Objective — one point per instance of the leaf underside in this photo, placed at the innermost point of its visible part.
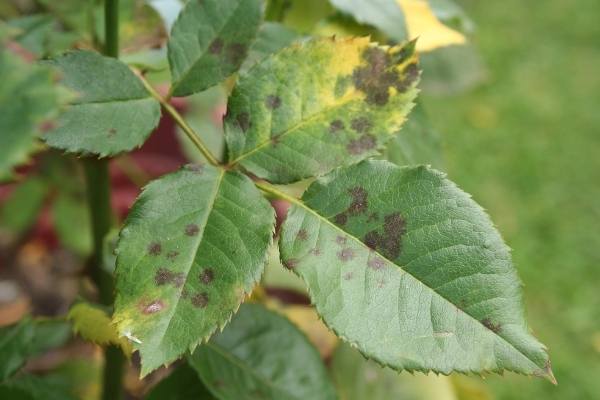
(318, 105)
(209, 41)
(194, 244)
(262, 355)
(112, 112)
(410, 270)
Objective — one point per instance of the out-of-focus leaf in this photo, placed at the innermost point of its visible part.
(416, 143)
(271, 38)
(451, 14)
(261, 355)
(140, 27)
(15, 346)
(358, 379)
(80, 376)
(421, 22)
(148, 59)
(303, 15)
(49, 333)
(470, 388)
(400, 258)
(182, 384)
(93, 324)
(72, 222)
(339, 102)
(385, 15)
(193, 245)
(34, 32)
(209, 41)
(451, 70)
(113, 111)
(31, 387)
(19, 212)
(341, 25)
(27, 99)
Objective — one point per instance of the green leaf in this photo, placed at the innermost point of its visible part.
(409, 269)
(357, 379)
(27, 99)
(417, 142)
(194, 244)
(385, 15)
(209, 42)
(262, 355)
(182, 384)
(31, 387)
(20, 211)
(113, 112)
(318, 105)
(271, 38)
(15, 346)
(71, 218)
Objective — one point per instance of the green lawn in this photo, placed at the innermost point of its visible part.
(526, 144)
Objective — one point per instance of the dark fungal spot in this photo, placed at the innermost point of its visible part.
(336, 125)
(290, 263)
(153, 307)
(389, 242)
(340, 240)
(235, 53)
(496, 328)
(165, 276)
(172, 254)
(154, 248)
(216, 46)
(361, 124)
(273, 102)
(346, 254)
(376, 263)
(362, 144)
(191, 229)
(112, 132)
(302, 234)
(200, 300)
(341, 219)
(359, 200)
(207, 276)
(243, 121)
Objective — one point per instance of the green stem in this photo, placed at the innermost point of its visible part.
(98, 190)
(187, 129)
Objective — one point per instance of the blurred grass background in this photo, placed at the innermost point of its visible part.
(526, 144)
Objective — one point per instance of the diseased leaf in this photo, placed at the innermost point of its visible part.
(27, 100)
(93, 324)
(112, 113)
(182, 384)
(409, 269)
(318, 105)
(357, 379)
(417, 142)
(261, 355)
(209, 42)
(194, 244)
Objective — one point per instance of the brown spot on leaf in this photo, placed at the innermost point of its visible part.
(336, 125)
(361, 124)
(235, 53)
(165, 276)
(216, 46)
(362, 144)
(340, 240)
(197, 168)
(207, 276)
(389, 242)
(410, 75)
(290, 263)
(243, 121)
(154, 248)
(496, 328)
(341, 219)
(172, 254)
(302, 235)
(200, 300)
(346, 254)
(112, 132)
(273, 102)
(376, 263)
(359, 201)
(153, 307)
(191, 229)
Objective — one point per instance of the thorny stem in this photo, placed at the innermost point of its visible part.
(98, 193)
(187, 129)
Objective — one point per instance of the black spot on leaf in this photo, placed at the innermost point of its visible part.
(336, 126)
(362, 144)
(340, 240)
(200, 300)
(346, 254)
(389, 242)
(341, 219)
(154, 248)
(235, 53)
(302, 235)
(496, 328)
(361, 124)
(207, 276)
(376, 263)
(273, 102)
(191, 229)
(216, 46)
(112, 132)
(359, 201)
(165, 276)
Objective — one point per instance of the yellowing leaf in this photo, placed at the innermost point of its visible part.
(93, 324)
(421, 22)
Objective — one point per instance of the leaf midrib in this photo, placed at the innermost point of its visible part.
(300, 203)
